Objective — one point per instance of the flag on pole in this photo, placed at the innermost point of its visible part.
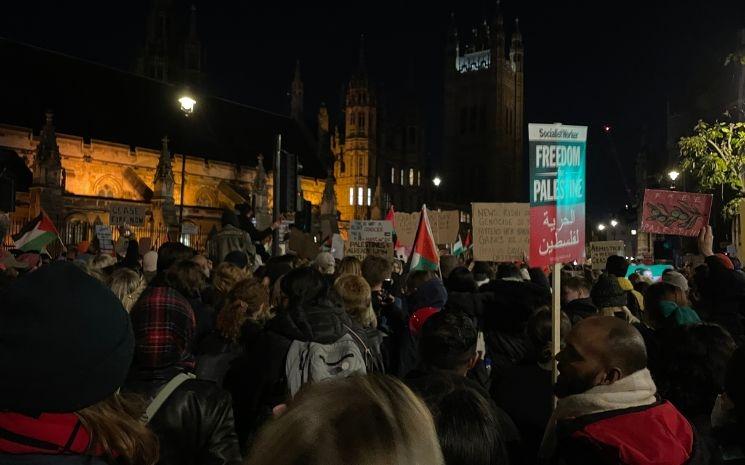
(469, 241)
(424, 254)
(458, 248)
(397, 248)
(36, 235)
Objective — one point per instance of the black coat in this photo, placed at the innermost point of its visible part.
(723, 293)
(257, 379)
(194, 425)
(579, 309)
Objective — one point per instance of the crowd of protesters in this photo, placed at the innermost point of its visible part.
(170, 356)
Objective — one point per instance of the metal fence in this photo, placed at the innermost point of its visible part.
(72, 233)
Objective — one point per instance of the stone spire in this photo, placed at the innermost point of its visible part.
(261, 195)
(48, 162)
(516, 48)
(376, 210)
(328, 200)
(164, 181)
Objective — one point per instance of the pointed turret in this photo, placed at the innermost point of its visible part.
(164, 181)
(48, 162)
(376, 210)
(296, 91)
(261, 195)
(498, 37)
(328, 200)
(516, 48)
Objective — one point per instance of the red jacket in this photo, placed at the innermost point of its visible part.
(656, 434)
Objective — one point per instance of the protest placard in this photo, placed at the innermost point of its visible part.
(601, 250)
(105, 238)
(675, 213)
(122, 213)
(445, 225)
(370, 238)
(501, 231)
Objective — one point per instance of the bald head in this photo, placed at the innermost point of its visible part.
(618, 343)
(599, 350)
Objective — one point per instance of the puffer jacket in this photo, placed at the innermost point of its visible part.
(195, 424)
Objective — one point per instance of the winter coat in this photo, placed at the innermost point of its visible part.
(579, 309)
(195, 424)
(214, 356)
(723, 293)
(257, 379)
(647, 435)
(229, 239)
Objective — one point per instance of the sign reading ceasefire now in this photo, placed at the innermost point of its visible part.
(557, 193)
(131, 215)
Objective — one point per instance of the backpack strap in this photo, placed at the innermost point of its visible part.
(369, 358)
(163, 395)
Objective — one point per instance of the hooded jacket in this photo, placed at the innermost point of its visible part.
(257, 379)
(579, 309)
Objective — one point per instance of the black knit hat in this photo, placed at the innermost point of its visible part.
(66, 342)
(607, 292)
(617, 265)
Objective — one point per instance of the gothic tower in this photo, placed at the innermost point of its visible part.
(483, 114)
(355, 165)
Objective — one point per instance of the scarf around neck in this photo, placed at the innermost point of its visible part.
(635, 390)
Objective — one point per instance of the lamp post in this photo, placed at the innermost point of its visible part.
(673, 175)
(187, 103)
(436, 181)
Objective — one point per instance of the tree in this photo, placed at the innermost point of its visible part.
(715, 156)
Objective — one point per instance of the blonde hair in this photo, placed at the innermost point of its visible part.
(102, 261)
(371, 420)
(116, 430)
(355, 295)
(248, 300)
(349, 265)
(226, 276)
(127, 285)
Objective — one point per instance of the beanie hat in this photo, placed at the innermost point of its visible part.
(325, 263)
(725, 261)
(617, 265)
(150, 261)
(676, 279)
(430, 294)
(66, 342)
(237, 258)
(607, 292)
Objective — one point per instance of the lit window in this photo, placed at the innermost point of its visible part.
(411, 177)
(393, 175)
(402, 176)
(351, 196)
(360, 196)
(369, 196)
(418, 178)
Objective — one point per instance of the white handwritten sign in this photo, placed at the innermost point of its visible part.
(501, 231)
(121, 214)
(601, 250)
(370, 238)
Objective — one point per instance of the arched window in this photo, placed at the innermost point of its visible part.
(106, 191)
(411, 177)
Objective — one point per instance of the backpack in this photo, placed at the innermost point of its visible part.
(309, 362)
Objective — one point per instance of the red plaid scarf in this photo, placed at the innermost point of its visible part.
(47, 434)
(163, 323)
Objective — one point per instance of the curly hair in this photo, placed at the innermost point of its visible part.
(225, 276)
(248, 300)
(693, 366)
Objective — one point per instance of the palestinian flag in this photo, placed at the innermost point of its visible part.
(469, 241)
(424, 254)
(458, 248)
(36, 235)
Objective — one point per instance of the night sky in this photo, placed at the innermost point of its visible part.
(593, 62)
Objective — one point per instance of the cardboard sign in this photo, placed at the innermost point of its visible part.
(675, 213)
(121, 214)
(601, 250)
(303, 244)
(105, 238)
(444, 224)
(370, 238)
(557, 193)
(501, 231)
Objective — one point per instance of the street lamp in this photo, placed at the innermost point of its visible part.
(601, 227)
(633, 232)
(613, 223)
(187, 103)
(437, 181)
(673, 175)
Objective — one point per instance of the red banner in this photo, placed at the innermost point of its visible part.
(557, 238)
(675, 213)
